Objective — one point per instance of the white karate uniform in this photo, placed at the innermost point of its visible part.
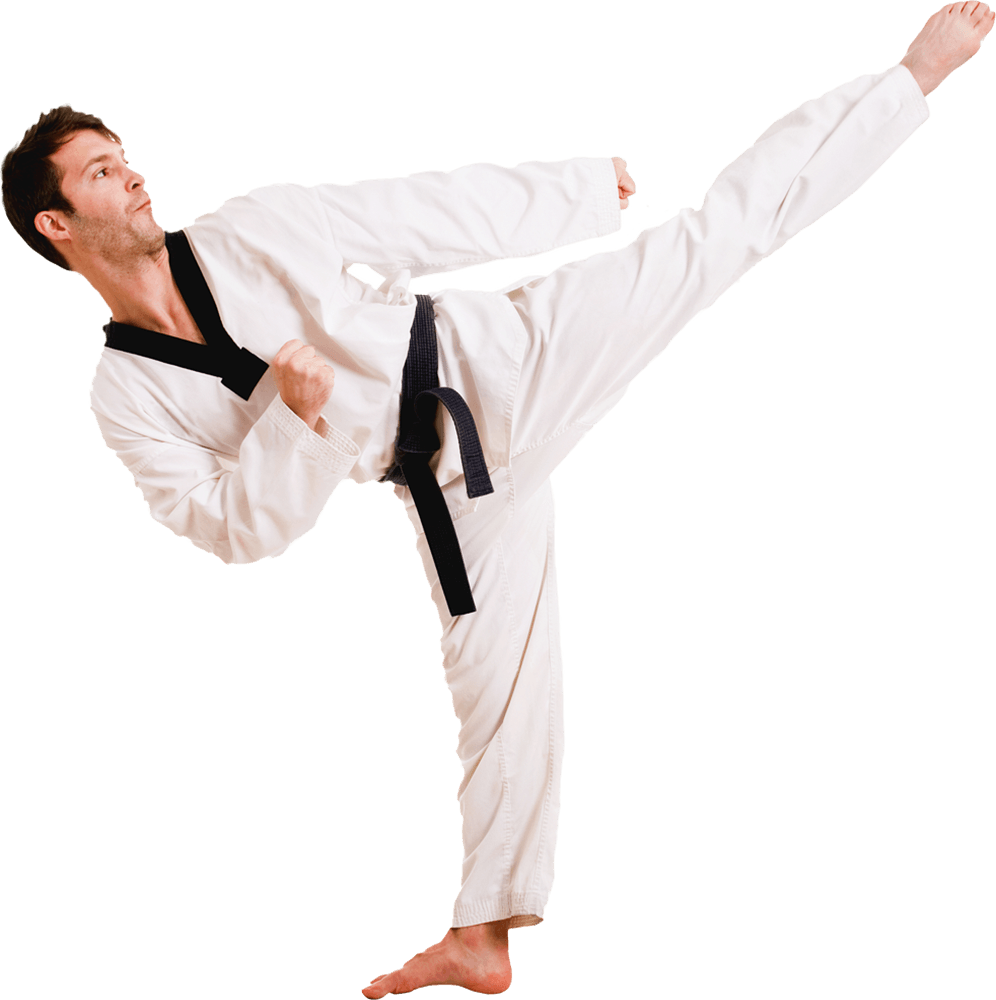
(538, 364)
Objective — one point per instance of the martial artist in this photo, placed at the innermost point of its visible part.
(247, 372)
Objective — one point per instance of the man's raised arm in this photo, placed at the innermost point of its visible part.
(433, 222)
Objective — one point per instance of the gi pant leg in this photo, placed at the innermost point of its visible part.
(594, 324)
(502, 666)
(590, 327)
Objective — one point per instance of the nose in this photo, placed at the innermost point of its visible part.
(135, 181)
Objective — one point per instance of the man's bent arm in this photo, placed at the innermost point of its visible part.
(285, 474)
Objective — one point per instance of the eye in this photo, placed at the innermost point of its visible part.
(103, 170)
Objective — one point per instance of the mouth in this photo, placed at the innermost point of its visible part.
(145, 204)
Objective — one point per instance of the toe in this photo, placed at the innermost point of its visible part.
(378, 987)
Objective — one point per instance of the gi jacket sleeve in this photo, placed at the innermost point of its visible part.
(435, 222)
(285, 472)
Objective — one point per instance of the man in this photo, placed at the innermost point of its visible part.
(243, 467)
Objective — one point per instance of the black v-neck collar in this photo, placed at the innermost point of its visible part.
(239, 370)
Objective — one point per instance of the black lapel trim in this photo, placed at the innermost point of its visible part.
(239, 370)
(160, 347)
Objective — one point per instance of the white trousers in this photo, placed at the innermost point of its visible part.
(591, 326)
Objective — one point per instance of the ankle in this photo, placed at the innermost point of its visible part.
(926, 77)
(489, 935)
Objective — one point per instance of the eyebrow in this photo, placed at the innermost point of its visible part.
(104, 157)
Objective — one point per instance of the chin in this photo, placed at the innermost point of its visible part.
(156, 242)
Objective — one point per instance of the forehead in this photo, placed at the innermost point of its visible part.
(83, 147)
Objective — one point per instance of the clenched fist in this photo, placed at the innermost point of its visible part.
(303, 380)
(624, 182)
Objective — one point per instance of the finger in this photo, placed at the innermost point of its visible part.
(287, 351)
(304, 359)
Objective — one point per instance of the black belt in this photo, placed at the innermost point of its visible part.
(418, 442)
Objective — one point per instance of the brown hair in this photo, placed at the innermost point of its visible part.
(31, 181)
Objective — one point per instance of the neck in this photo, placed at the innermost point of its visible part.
(143, 294)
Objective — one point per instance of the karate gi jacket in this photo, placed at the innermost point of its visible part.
(243, 478)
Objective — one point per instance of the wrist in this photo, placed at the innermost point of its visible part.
(308, 418)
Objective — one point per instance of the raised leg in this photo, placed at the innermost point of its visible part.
(593, 325)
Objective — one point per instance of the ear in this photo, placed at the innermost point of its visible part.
(52, 224)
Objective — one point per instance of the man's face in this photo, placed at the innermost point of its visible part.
(113, 218)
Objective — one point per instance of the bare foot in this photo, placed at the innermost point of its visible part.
(951, 37)
(473, 957)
